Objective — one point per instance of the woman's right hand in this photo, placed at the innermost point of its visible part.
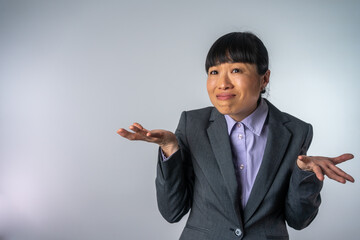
(165, 139)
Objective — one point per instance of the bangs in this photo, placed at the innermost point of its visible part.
(238, 47)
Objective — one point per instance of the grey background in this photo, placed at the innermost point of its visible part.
(73, 72)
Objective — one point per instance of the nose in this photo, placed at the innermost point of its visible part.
(225, 82)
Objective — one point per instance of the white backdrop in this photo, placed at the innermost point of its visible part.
(73, 72)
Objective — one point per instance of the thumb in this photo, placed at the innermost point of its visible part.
(303, 158)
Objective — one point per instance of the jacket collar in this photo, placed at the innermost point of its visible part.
(278, 138)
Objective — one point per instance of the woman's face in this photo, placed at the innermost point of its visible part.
(234, 88)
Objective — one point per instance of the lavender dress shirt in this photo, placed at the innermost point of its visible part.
(248, 140)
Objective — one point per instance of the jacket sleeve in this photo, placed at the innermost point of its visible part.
(303, 197)
(175, 179)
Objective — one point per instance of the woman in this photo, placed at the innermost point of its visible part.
(240, 166)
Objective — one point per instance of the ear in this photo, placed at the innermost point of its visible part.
(265, 79)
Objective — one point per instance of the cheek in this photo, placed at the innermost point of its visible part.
(210, 90)
(250, 87)
(209, 87)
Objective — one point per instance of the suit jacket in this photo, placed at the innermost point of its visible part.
(200, 177)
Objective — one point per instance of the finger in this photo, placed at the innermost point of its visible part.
(312, 158)
(341, 173)
(318, 172)
(138, 129)
(342, 158)
(138, 125)
(307, 159)
(122, 132)
(302, 157)
(332, 175)
(156, 134)
(129, 135)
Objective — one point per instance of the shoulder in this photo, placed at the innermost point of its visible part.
(197, 118)
(286, 118)
(199, 115)
(278, 119)
(294, 120)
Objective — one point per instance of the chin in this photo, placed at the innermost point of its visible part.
(223, 110)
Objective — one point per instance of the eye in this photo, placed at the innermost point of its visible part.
(213, 72)
(236, 70)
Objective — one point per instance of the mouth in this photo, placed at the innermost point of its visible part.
(225, 96)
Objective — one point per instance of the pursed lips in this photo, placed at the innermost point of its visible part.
(225, 96)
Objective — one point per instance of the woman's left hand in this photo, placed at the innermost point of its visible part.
(326, 166)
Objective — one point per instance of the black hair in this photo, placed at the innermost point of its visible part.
(242, 47)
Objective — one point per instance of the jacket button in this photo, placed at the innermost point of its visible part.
(237, 232)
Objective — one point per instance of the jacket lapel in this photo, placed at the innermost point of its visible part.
(276, 145)
(220, 143)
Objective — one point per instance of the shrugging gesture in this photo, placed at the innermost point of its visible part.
(165, 139)
(326, 166)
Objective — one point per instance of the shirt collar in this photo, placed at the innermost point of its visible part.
(254, 122)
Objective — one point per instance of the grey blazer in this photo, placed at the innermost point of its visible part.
(200, 177)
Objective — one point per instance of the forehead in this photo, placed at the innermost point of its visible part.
(243, 65)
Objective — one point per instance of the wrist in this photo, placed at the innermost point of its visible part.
(169, 149)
